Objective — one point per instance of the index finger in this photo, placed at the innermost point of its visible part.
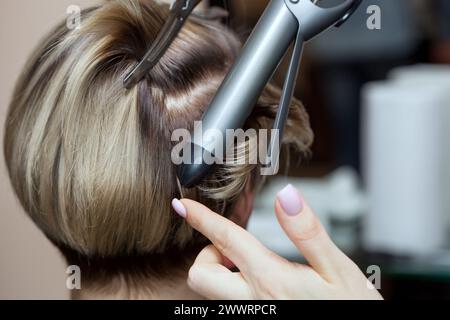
(232, 241)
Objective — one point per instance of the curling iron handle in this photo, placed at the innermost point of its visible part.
(253, 69)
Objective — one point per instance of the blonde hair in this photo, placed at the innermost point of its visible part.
(90, 160)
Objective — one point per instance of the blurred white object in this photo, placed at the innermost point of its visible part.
(436, 75)
(405, 156)
(336, 196)
(422, 74)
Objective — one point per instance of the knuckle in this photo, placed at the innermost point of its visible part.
(194, 276)
(194, 220)
(311, 228)
(267, 285)
(224, 239)
(267, 279)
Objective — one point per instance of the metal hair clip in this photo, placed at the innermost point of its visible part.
(180, 11)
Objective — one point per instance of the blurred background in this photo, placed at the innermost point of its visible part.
(377, 91)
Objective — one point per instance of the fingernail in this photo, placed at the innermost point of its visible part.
(179, 208)
(290, 200)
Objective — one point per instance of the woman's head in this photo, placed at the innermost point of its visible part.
(91, 161)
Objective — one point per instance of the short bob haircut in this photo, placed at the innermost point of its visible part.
(90, 160)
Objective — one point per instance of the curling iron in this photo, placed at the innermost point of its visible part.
(283, 22)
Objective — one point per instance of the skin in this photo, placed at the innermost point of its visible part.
(263, 274)
(173, 288)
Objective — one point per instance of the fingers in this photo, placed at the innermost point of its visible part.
(307, 233)
(209, 278)
(247, 253)
(210, 255)
(215, 283)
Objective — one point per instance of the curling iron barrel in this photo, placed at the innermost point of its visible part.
(282, 22)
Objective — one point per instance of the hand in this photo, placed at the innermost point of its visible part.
(263, 274)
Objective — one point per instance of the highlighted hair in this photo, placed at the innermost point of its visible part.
(90, 160)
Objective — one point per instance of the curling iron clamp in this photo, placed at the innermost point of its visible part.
(283, 22)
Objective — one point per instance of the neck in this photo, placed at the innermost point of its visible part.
(175, 288)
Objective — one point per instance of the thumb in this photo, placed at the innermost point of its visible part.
(304, 229)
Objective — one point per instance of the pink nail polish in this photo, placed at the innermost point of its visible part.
(179, 208)
(290, 200)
